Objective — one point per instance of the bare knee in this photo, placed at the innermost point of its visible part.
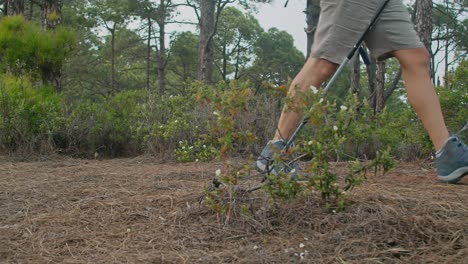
(413, 59)
(314, 72)
(322, 68)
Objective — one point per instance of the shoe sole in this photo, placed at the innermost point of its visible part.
(455, 176)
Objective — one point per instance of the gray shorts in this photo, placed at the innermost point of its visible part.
(342, 22)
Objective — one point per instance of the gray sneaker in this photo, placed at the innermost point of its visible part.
(452, 160)
(266, 161)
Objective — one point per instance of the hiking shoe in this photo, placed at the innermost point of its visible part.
(452, 160)
(266, 161)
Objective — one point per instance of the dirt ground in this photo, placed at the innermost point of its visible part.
(140, 211)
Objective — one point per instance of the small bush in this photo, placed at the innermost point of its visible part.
(28, 116)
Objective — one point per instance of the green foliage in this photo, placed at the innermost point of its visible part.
(110, 13)
(169, 119)
(27, 49)
(199, 151)
(454, 99)
(129, 56)
(450, 25)
(225, 201)
(229, 102)
(136, 121)
(277, 60)
(332, 127)
(397, 129)
(28, 116)
(110, 126)
(234, 42)
(184, 57)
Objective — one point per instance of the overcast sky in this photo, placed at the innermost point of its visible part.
(290, 19)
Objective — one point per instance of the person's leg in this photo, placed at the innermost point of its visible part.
(452, 153)
(421, 94)
(314, 72)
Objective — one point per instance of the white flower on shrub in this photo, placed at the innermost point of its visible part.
(218, 172)
(310, 143)
(335, 128)
(343, 108)
(215, 113)
(321, 100)
(314, 89)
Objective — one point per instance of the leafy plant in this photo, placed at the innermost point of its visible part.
(28, 116)
(199, 151)
(228, 103)
(332, 126)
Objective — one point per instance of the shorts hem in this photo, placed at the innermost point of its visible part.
(384, 54)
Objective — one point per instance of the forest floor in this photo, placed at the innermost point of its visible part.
(140, 211)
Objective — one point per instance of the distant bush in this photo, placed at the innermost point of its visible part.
(454, 99)
(28, 116)
(228, 118)
(110, 126)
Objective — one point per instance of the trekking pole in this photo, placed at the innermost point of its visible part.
(341, 67)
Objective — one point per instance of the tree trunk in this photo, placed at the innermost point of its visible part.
(14, 7)
(224, 61)
(389, 91)
(371, 77)
(424, 26)
(162, 59)
(30, 11)
(312, 16)
(112, 84)
(380, 87)
(51, 13)
(207, 28)
(161, 55)
(236, 74)
(446, 55)
(148, 55)
(356, 75)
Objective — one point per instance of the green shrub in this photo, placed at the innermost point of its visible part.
(28, 116)
(169, 119)
(199, 151)
(27, 49)
(454, 99)
(110, 126)
(231, 106)
(332, 126)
